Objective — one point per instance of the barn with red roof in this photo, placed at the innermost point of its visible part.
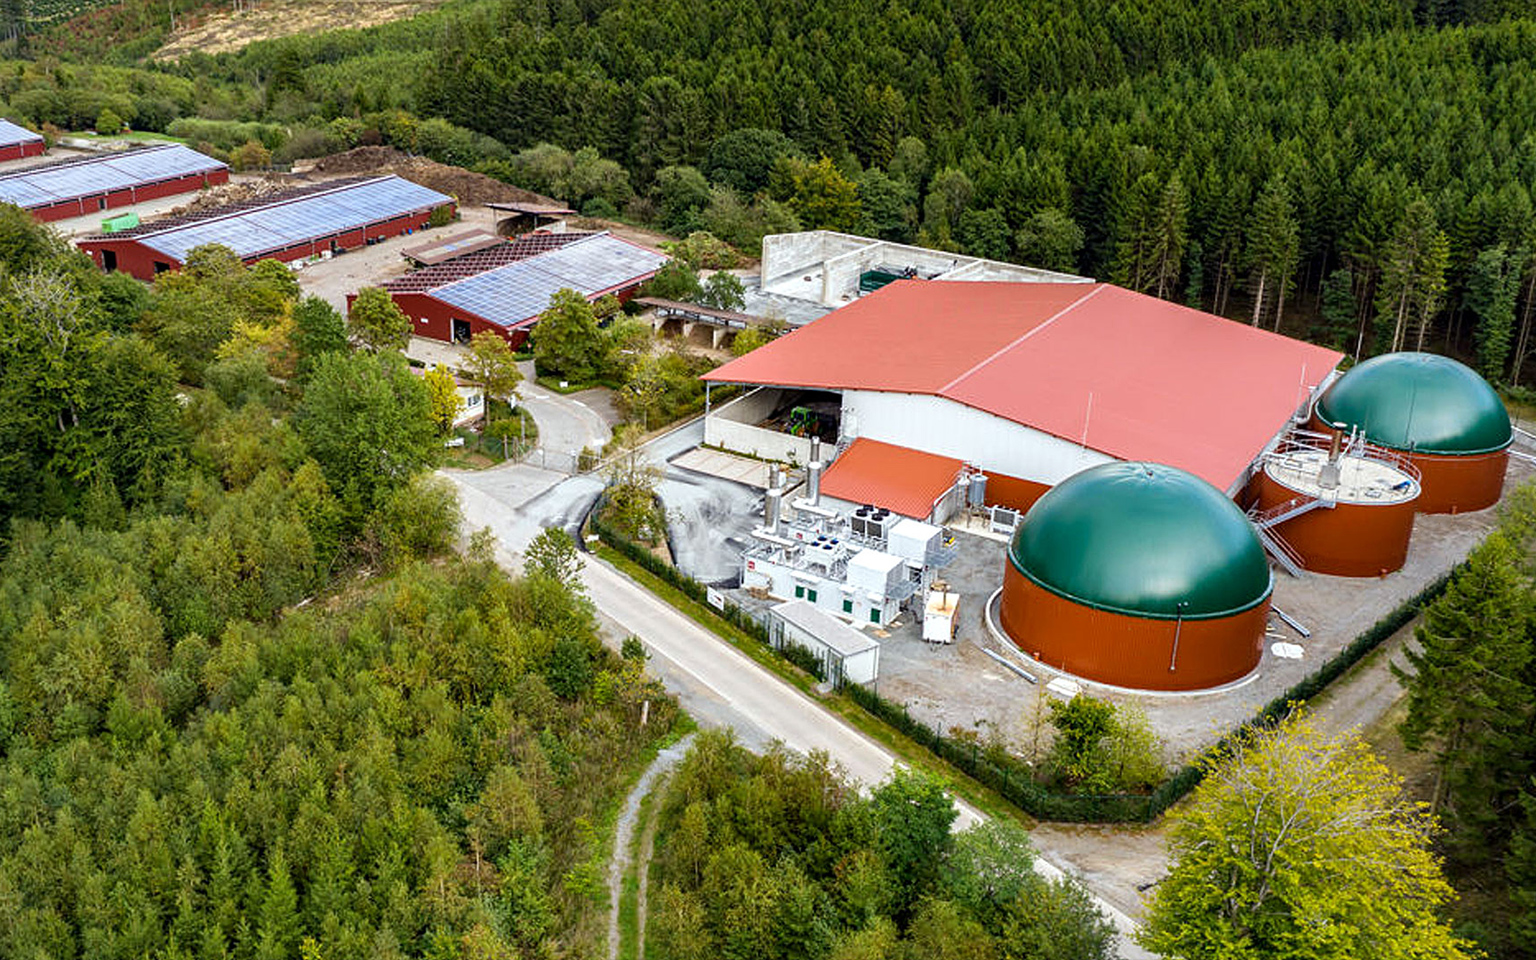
(1025, 383)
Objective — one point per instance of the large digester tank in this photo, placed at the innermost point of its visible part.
(1440, 414)
(1138, 575)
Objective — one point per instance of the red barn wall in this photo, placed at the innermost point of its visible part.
(84, 206)
(15, 151)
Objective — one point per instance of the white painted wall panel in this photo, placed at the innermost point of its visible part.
(952, 429)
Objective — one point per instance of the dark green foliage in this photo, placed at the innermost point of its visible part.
(1492, 286)
(391, 770)
(779, 858)
(675, 281)
(567, 342)
(367, 421)
(317, 329)
(743, 158)
(723, 291)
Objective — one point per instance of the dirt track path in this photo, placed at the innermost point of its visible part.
(624, 834)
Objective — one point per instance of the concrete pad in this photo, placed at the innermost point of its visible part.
(434, 352)
(726, 466)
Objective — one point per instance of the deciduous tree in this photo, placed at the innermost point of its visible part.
(1300, 844)
(376, 323)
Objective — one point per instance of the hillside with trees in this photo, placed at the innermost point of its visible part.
(250, 704)
(1356, 172)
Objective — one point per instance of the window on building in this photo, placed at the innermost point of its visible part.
(799, 592)
(874, 614)
(847, 606)
(810, 595)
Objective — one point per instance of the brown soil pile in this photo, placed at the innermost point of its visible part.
(467, 186)
(234, 192)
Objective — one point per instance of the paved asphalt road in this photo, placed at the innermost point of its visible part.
(714, 681)
(566, 425)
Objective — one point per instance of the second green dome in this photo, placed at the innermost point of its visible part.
(1418, 402)
(1143, 539)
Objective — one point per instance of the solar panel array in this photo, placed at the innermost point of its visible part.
(520, 291)
(479, 261)
(92, 176)
(286, 223)
(11, 134)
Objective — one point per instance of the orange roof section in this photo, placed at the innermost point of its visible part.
(902, 480)
(1121, 372)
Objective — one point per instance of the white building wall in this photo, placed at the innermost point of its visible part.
(733, 426)
(780, 581)
(942, 426)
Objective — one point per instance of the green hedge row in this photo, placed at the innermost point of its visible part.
(1013, 779)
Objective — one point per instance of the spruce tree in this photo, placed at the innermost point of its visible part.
(1470, 696)
(1272, 250)
(1491, 288)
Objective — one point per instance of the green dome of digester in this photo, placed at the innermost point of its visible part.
(1418, 401)
(1143, 539)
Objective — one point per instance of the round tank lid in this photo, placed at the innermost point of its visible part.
(1143, 539)
(1418, 402)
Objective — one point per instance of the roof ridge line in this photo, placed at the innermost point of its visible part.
(1095, 288)
(279, 202)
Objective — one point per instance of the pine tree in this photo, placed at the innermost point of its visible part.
(1153, 236)
(1469, 696)
(1491, 288)
(1272, 250)
(1412, 279)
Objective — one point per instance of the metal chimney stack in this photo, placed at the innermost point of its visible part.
(1328, 476)
(813, 477)
(771, 510)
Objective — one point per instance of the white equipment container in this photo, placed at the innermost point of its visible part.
(940, 616)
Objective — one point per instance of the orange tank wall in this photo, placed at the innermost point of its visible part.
(1013, 492)
(1459, 484)
(1454, 483)
(1128, 651)
(1349, 540)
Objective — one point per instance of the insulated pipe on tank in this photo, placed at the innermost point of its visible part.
(771, 502)
(1178, 628)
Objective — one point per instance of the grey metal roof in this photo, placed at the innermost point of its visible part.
(92, 176)
(13, 133)
(313, 216)
(520, 291)
(837, 635)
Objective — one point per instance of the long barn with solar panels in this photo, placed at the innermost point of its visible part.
(85, 185)
(318, 220)
(17, 141)
(504, 288)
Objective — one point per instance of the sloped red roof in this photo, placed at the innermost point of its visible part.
(1124, 373)
(902, 480)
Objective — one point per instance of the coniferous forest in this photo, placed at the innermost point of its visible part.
(1355, 172)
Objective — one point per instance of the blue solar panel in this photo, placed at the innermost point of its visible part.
(289, 222)
(11, 133)
(521, 290)
(38, 186)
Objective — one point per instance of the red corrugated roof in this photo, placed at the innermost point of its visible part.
(1167, 383)
(903, 480)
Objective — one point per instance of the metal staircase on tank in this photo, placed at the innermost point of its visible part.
(1283, 553)
(1264, 524)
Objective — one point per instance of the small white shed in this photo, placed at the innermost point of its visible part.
(845, 653)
